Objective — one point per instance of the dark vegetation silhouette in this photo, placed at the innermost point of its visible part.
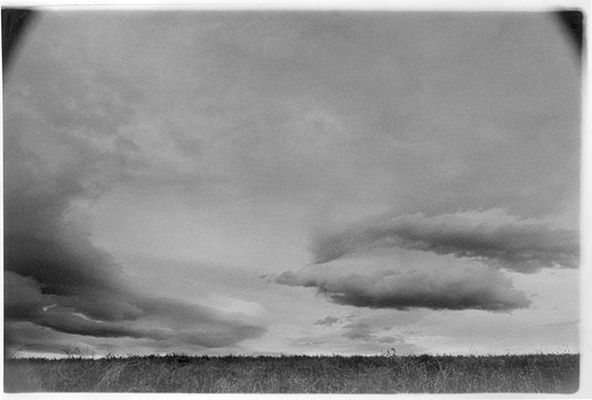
(533, 373)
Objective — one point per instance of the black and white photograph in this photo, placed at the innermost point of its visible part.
(292, 199)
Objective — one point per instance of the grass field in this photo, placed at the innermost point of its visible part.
(543, 373)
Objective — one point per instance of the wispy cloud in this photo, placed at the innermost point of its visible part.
(327, 321)
(359, 331)
(493, 237)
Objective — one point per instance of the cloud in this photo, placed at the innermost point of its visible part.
(447, 261)
(70, 287)
(55, 278)
(78, 120)
(327, 321)
(109, 312)
(360, 337)
(363, 330)
(411, 280)
(492, 237)
(166, 322)
(359, 331)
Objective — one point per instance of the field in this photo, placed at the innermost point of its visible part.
(543, 373)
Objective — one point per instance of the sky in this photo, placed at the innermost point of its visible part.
(291, 183)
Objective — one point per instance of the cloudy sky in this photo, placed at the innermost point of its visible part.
(292, 182)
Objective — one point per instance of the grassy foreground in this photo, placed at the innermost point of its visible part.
(551, 373)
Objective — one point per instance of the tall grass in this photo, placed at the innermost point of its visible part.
(543, 373)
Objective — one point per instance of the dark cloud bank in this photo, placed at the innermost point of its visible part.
(348, 271)
(57, 284)
(55, 277)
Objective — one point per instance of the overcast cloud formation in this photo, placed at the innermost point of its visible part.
(182, 153)
(63, 154)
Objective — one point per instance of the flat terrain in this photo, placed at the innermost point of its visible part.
(543, 373)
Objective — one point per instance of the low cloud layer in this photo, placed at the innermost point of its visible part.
(386, 282)
(108, 313)
(492, 237)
